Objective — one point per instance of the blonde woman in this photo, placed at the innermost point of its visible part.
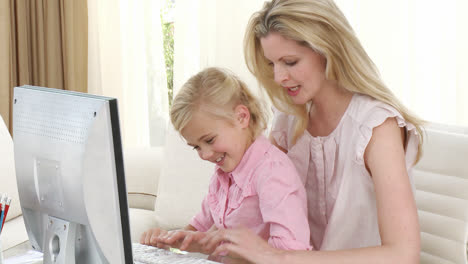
(349, 137)
(254, 184)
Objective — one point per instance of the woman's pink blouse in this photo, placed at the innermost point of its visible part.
(340, 192)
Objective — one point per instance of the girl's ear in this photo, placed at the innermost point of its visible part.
(242, 115)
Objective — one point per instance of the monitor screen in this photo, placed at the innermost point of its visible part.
(70, 174)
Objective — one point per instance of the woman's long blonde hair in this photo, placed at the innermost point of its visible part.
(217, 92)
(320, 25)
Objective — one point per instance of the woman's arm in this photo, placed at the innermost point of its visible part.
(397, 214)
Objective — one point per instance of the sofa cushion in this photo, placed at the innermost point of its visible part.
(7, 169)
(183, 183)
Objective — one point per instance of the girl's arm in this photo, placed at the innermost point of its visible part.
(396, 209)
(283, 204)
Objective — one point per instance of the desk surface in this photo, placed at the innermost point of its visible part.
(22, 253)
(17, 250)
(24, 247)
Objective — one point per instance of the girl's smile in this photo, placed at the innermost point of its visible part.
(217, 140)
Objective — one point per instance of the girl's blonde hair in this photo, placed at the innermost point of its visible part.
(217, 92)
(321, 26)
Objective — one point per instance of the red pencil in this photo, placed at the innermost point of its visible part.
(5, 215)
(7, 206)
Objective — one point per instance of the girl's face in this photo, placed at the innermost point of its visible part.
(297, 68)
(217, 140)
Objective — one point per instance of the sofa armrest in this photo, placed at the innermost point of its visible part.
(142, 171)
(141, 220)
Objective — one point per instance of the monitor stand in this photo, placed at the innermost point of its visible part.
(59, 246)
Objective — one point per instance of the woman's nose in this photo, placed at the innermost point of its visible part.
(281, 74)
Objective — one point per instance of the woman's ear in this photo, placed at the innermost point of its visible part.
(242, 115)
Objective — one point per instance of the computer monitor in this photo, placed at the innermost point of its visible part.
(70, 174)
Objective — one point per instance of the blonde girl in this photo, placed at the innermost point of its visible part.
(254, 184)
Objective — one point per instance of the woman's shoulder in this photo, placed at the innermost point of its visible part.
(366, 111)
(282, 127)
(282, 119)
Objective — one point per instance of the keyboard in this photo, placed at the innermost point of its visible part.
(143, 254)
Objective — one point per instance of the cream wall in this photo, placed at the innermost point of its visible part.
(419, 47)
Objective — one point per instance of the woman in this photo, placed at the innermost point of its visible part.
(349, 137)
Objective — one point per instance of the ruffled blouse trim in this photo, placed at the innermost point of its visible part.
(280, 122)
(379, 114)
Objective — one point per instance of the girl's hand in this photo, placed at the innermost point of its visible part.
(184, 240)
(241, 244)
(151, 238)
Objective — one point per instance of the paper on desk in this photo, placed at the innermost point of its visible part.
(30, 257)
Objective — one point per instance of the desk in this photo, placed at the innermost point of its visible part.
(24, 247)
(17, 250)
(19, 254)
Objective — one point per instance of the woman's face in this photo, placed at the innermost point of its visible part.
(297, 68)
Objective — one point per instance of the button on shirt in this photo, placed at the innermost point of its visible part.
(263, 193)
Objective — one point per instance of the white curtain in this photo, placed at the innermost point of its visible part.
(419, 47)
(125, 59)
(210, 33)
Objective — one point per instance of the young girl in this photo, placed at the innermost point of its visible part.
(254, 184)
(344, 130)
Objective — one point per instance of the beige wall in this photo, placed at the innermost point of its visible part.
(420, 48)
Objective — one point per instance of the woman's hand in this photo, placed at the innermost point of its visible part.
(240, 244)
